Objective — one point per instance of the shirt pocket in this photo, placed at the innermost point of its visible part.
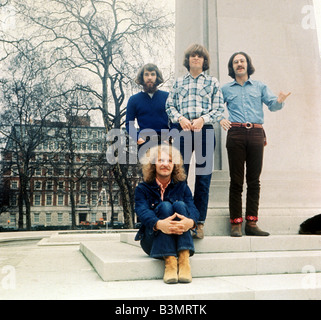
(206, 92)
(255, 97)
(231, 98)
(182, 93)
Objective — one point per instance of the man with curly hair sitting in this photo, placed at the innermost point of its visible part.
(165, 207)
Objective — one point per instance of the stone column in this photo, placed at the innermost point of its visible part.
(286, 57)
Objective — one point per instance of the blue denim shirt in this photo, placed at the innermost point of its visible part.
(245, 103)
(148, 197)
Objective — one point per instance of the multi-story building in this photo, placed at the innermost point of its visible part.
(70, 159)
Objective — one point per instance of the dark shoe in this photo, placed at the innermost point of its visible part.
(199, 232)
(236, 230)
(251, 229)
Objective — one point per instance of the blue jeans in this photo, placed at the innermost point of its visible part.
(203, 143)
(158, 244)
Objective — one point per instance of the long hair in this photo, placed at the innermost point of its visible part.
(151, 157)
(199, 50)
(250, 67)
(149, 67)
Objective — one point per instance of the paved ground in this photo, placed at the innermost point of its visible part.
(60, 271)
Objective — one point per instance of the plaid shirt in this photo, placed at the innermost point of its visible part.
(195, 98)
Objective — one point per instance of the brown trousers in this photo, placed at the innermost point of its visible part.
(245, 148)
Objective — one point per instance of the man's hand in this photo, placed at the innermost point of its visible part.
(171, 226)
(185, 124)
(225, 124)
(283, 96)
(198, 124)
(140, 141)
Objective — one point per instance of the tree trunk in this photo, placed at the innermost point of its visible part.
(20, 207)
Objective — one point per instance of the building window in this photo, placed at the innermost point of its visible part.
(37, 185)
(37, 200)
(94, 185)
(49, 200)
(83, 199)
(83, 133)
(94, 198)
(60, 185)
(49, 185)
(94, 172)
(104, 199)
(36, 217)
(83, 186)
(60, 217)
(60, 200)
(48, 217)
(14, 185)
(12, 218)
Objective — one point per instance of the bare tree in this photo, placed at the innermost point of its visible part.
(26, 108)
(105, 40)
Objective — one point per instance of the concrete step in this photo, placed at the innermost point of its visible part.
(253, 256)
(305, 286)
(246, 244)
(276, 220)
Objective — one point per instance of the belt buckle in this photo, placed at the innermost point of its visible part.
(249, 125)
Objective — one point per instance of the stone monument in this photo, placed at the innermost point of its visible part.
(285, 52)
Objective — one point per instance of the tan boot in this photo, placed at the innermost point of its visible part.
(170, 274)
(184, 268)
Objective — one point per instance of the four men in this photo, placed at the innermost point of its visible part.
(163, 202)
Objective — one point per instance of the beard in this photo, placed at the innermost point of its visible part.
(150, 87)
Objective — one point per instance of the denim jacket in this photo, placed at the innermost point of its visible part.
(148, 197)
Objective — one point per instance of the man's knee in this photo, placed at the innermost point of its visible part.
(164, 210)
(180, 207)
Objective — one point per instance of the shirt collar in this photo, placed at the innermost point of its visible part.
(161, 185)
(188, 75)
(249, 80)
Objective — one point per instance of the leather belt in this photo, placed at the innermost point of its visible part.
(246, 125)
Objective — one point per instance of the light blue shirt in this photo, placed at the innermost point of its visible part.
(245, 103)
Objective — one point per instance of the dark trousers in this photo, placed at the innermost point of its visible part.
(203, 144)
(245, 148)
